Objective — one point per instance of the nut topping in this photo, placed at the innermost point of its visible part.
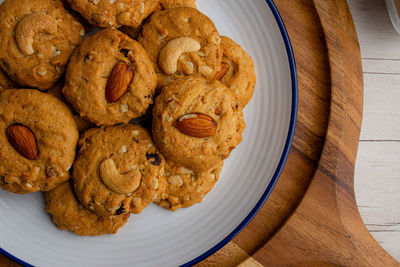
(29, 26)
(170, 53)
(118, 82)
(22, 139)
(120, 183)
(222, 71)
(196, 125)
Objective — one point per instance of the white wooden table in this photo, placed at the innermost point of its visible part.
(377, 175)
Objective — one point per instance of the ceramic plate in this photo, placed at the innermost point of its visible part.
(158, 237)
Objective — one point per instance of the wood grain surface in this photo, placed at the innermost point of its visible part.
(311, 218)
(377, 171)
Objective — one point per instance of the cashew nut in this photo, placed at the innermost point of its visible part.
(175, 180)
(120, 183)
(170, 53)
(29, 26)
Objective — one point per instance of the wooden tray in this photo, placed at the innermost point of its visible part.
(311, 218)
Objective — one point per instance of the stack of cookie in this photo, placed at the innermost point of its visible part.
(156, 66)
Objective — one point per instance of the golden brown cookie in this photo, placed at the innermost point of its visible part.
(37, 38)
(38, 137)
(181, 42)
(88, 27)
(68, 214)
(164, 4)
(5, 83)
(197, 123)
(81, 122)
(237, 71)
(110, 79)
(118, 170)
(185, 187)
(114, 13)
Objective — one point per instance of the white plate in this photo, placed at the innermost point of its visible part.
(158, 237)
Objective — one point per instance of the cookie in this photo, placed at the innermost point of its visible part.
(110, 79)
(182, 42)
(5, 83)
(114, 13)
(81, 123)
(197, 123)
(118, 170)
(185, 187)
(68, 214)
(237, 71)
(38, 137)
(88, 27)
(164, 4)
(37, 38)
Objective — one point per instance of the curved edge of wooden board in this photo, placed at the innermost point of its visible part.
(327, 227)
(352, 222)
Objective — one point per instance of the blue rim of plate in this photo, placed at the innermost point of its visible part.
(282, 161)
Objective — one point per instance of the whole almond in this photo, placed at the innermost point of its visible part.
(222, 71)
(118, 82)
(22, 140)
(196, 125)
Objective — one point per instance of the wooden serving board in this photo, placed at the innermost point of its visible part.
(311, 217)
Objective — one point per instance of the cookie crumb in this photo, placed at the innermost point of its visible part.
(124, 108)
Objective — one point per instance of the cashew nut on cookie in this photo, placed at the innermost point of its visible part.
(31, 25)
(170, 53)
(120, 183)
